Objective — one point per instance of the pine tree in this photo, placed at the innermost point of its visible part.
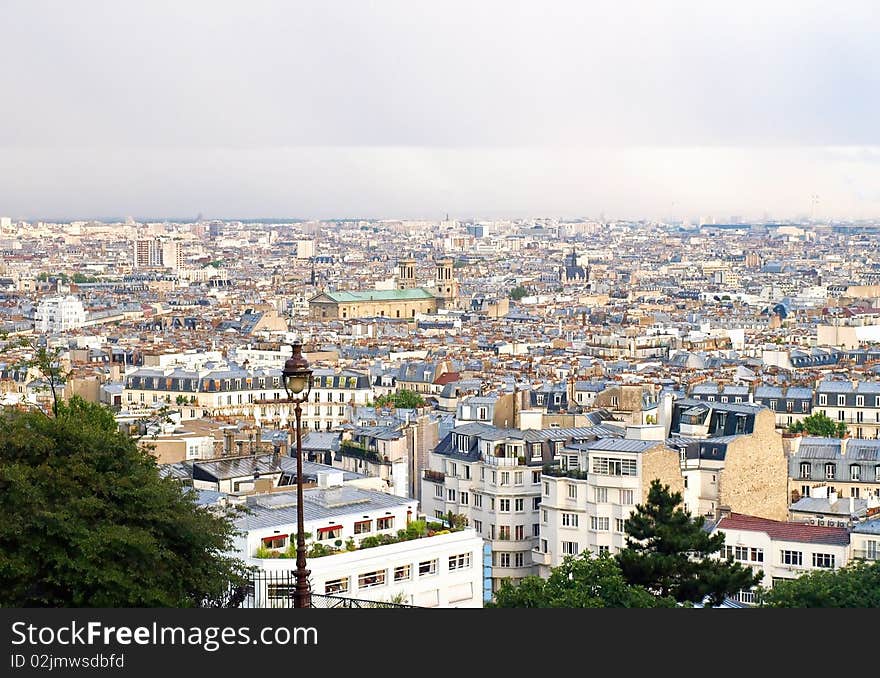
(670, 553)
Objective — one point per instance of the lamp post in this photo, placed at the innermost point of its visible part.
(298, 382)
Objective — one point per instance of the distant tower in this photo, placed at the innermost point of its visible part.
(406, 274)
(445, 283)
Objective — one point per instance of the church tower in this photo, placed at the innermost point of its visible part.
(446, 286)
(406, 274)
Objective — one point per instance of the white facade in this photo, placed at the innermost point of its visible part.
(59, 314)
(500, 498)
(780, 550)
(587, 512)
(443, 570)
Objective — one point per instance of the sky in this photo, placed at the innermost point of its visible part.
(411, 109)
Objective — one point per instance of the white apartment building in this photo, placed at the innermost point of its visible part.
(492, 476)
(443, 570)
(257, 394)
(782, 550)
(586, 501)
(59, 314)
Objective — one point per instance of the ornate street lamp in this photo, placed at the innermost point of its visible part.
(298, 382)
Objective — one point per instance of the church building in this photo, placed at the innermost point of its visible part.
(406, 301)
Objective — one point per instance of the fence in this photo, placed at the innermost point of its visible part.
(276, 590)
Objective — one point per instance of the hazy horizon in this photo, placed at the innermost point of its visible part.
(393, 110)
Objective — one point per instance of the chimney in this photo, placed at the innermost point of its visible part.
(722, 512)
(276, 455)
(329, 479)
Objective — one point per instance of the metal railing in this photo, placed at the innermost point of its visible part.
(275, 590)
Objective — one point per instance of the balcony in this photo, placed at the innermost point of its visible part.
(540, 558)
(504, 461)
(866, 554)
(435, 476)
(556, 472)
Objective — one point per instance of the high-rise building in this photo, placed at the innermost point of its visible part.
(147, 253)
(59, 314)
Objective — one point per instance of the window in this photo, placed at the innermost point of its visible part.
(505, 478)
(626, 497)
(602, 549)
(823, 399)
(478, 526)
(503, 560)
(450, 495)
(370, 579)
(519, 532)
(830, 471)
(619, 525)
(860, 401)
(504, 532)
(569, 520)
(773, 405)
(275, 542)
(805, 470)
(855, 472)
(741, 553)
(504, 505)
(572, 491)
(757, 555)
(609, 466)
(427, 567)
(841, 400)
(518, 559)
(805, 490)
(792, 558)
(385, 523)
(438, 491)
(600, 495)
(570, 548)
(804, 405)
(460, 562)
(599, 524)
(823, 560)
(536, 477)
(854, 492)
(544, 515)
(519, 505)
(478, 500)
(363, 526)
(518, 478)
(333, 532)
(543, 546)
(336, 586)
(536, 503)
(491, 503)
(463, 498)
(536, 454)
(546, 489)
(871, 549)
(536, 529)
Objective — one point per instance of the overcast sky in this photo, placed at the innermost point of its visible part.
(478, 108)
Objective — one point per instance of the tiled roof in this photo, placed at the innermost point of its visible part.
(797, 532)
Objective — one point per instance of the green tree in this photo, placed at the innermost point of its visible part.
(857, 585)
(403, 399)
(579, 581)
(518, 293)
(88, 522)
(669, 553)
(818, 424)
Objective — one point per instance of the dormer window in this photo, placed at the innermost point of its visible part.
(823, 399)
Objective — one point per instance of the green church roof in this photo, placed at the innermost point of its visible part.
(416, 293)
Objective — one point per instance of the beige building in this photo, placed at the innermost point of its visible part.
(405, 302)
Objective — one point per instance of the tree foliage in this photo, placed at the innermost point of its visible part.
(88, 522)
(402, 399)
(579, 581)
(819, 424)
(857, 585)
(669, 553)
(518, 293)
